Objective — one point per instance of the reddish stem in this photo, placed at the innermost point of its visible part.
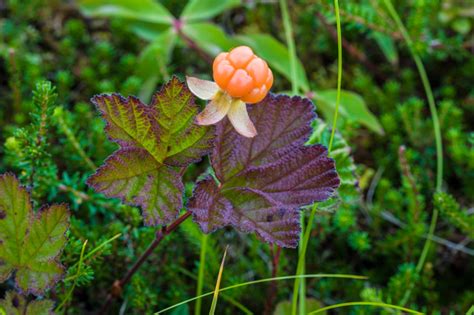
(178, 26)
(118, 285)
(272, 289)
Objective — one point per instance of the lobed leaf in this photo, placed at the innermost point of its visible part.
(129, 123)
(30, 243)
(155, 140)
(283, 123)
(175, 112)
(16, 304)
(137, 179)
(266, 179)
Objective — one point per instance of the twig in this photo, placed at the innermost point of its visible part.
(272, 289)
(178, 26)
(14, 82)
(118, 285)
(409, 176)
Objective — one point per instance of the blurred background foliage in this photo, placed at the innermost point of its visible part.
(55, 54)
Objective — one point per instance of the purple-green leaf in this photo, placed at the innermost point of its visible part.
(132, 175)
(266, 179)
(30, 243)
(157, 141)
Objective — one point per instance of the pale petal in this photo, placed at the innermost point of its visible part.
(202, 88)
(240, 119)
(215, 110)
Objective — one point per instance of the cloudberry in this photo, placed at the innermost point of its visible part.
(242, 74)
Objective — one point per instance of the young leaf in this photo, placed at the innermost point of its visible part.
(155, 140)
(16, 304)
(209, 37)
(141, 10)
(197, 10)
(157, 53)
(265, 180)
(30, 243)
(353, 107)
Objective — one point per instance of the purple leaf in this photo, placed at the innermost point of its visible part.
(253, 211)
(301, 177)
(268, 178)
(211, 210)
(282, 123)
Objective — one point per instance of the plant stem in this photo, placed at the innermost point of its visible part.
(118, 285)
(73, 140)
(301, 260)
(272, 289)
(239, 285)
(202, 263)
(437, 132)
(339, 72)
(300, 269)
(290, 41)
(377, 304)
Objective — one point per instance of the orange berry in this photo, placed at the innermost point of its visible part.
(243, 75)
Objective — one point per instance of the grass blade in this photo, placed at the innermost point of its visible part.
(218, 284)
(202, 263)
(78, 273)
(300, 269)
(376, 304)
(437, 132)
(290, 41)
(235, 286)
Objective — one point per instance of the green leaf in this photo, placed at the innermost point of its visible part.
(148, 31)
(155, 140)
(352, 107)
(30, 243)
(209, 37)
(140, 10)
(347, 194)
(284, 307)
(276, 54)
(16, 304)
(175, 111)
(387, 45)
(153, 62)
(197, 10)
(129, 123)
(452, 211)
